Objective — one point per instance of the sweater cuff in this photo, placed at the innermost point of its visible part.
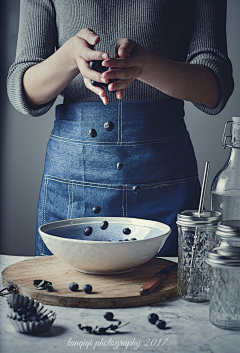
(221, 67)
(16, 92)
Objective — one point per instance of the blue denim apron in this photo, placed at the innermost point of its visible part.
(146, 145)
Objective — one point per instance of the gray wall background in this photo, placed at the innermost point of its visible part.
(24, 139)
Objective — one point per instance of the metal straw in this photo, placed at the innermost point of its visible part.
(203, 191)
(200, 208)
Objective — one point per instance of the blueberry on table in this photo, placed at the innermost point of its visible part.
(73, 286)
(87, 288)
(152, 318)
(87, 231)
(126, 239)
(108, 315)
(92, 133)
(126, 231)
(96, 209)
(160, 324)
(133, 239)
(104, 225)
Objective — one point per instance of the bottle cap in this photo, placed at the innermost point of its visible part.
(191, 218)
(236, 119)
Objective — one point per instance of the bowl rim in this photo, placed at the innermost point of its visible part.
(69, 222)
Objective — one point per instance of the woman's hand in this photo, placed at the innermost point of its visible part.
(83, 52)
(129, 64)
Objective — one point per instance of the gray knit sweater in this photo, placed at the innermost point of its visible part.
(192, 31)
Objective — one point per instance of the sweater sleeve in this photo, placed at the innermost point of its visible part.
(208, 47)
(37, 39)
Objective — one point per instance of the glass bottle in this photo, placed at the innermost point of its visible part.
(225, 191)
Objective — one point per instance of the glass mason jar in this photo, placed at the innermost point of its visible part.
(228, 233)
(225, 190)
(224, 299)
(196, 236)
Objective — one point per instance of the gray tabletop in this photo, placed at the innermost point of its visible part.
(189, 329)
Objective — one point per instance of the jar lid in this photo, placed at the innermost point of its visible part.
(191, 218)
(229, 230)
(224, 256)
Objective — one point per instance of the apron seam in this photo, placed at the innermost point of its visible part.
(123, 199)
(119, 187)
(44, 210)
(123, 143)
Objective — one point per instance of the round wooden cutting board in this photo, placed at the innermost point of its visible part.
(114, 291)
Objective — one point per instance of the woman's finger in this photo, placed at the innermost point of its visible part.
(81, 48)
(119, 85)
(88, 73)
(124, 47)
(122, 74)
(89, 35)
(97, 90)
(120, 93)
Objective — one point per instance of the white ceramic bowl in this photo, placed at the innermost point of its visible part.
(102, 252)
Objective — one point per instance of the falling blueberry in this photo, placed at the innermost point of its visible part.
(152, 318)
(136, 189)
(109, 126)
(87, 288)
(160, 324)
(108, 315)
(87, 231)
(126, 231)
(73, 287)
(120, 166)
(104, 225)
(92, 133)
(96, 209)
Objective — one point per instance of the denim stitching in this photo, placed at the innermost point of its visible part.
(118, 123)
(72, 202)
(126, 198)
(121, 121)
(170, 183)
(118, 187)
(110, 143)
(123, 199)
(68, 201)
(44, 210)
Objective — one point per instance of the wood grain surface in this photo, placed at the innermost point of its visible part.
(112, 291)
